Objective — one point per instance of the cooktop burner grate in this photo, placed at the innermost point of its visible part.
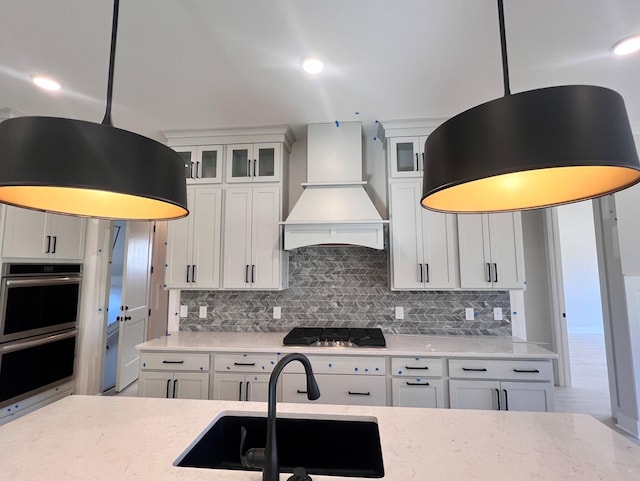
(335, 336)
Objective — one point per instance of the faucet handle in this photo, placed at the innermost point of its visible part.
(254, 457)
(299, 474)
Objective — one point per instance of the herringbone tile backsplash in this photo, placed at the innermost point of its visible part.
(346, 287)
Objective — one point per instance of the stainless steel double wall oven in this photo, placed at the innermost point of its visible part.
(39, 306)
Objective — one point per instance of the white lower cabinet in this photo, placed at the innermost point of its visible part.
(506, 385)
(242, 376)
(174, 385)
(174, 375)
(417, 382)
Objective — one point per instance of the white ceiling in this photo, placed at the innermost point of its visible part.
(191, 64)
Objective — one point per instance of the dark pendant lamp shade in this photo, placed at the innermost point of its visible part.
(530, 150)
(89, 169)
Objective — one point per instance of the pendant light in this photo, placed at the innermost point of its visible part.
(88, 169)
(533, 149)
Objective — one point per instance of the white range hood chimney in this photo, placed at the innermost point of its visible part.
(334, 207)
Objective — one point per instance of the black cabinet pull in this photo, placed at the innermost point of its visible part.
(55, 242)
(475, 369)
(198, 173)
(498, 396)
(534, 371)
(426, 272)
(246, 391)
(417, 162)
(246, 273)
(417, 383)
(355, 393)
(300, 391)
(173, 362)
(193, 272)
(48, 245)
(488, 272)
(417, 367)
(244, 363)
(127, 318)
(254, 167)
(175, 385)
(421, 273)
(240, 391)
(168, 385)
(253, 273)
(506, 400)
(495, 272)
(188, 269)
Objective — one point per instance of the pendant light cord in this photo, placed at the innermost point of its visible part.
(503, 45)
(112, 56)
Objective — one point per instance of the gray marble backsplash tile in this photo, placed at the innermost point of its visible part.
(346, 287)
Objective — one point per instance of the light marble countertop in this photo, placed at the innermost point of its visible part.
(434, 346)
(101, 438)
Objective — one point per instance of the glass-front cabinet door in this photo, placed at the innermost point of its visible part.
(406, 156)
(253, 162)
(202, 164)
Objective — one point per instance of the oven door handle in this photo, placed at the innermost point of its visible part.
(46, 281)
(25, 344)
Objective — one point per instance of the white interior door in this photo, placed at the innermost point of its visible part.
(135, 300)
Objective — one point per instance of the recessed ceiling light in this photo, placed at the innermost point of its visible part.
(312, 65)
(46, 83)
(627, 45)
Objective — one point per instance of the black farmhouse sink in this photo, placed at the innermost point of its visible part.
(321, 446)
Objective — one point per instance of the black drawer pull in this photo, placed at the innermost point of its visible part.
(534, 371)
(498, 397)
(475, 369)
(172, 362)
(244, 363)
(300, 391)
(426, 368)
(352, 393)
(417, 383)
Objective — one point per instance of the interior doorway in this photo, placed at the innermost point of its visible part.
(115, 300)
(584, 324)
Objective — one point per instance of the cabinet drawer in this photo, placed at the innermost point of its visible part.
(416, 366)
(337, 389)
(244, 362)
(355, 365)
(501, 369)
(174, 361)
(418, 392)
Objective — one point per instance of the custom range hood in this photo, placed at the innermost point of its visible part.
(334, 207)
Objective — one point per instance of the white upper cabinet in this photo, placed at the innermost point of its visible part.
(30, 234)
(406, 156)
(193, 243)
(422, 242)
(203, 164)
(491, 251)
(254, 162)
(253, 257)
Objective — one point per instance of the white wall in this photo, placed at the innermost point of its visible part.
(580, 268)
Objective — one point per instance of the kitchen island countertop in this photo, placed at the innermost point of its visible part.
(407, 345)
(101, 438)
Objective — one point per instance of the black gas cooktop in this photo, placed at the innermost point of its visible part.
(335, 336)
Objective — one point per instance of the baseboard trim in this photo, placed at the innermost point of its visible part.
(628, 425)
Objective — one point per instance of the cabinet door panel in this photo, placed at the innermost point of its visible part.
(191, 385)
(179, 244)
(265, 239)
(474, 256)
(258, 387)
(266, 167)
(406, 232)
(155, 384)
(228, 387)
(209, 164)
(24, 233)
(188, 155)
(239, 163)
(474, 394)
(237, 238)
(206, 237)
(505, 232)
(418, 392)
(405, 157)
(68, 232)
(438, 232)
(527, 396)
